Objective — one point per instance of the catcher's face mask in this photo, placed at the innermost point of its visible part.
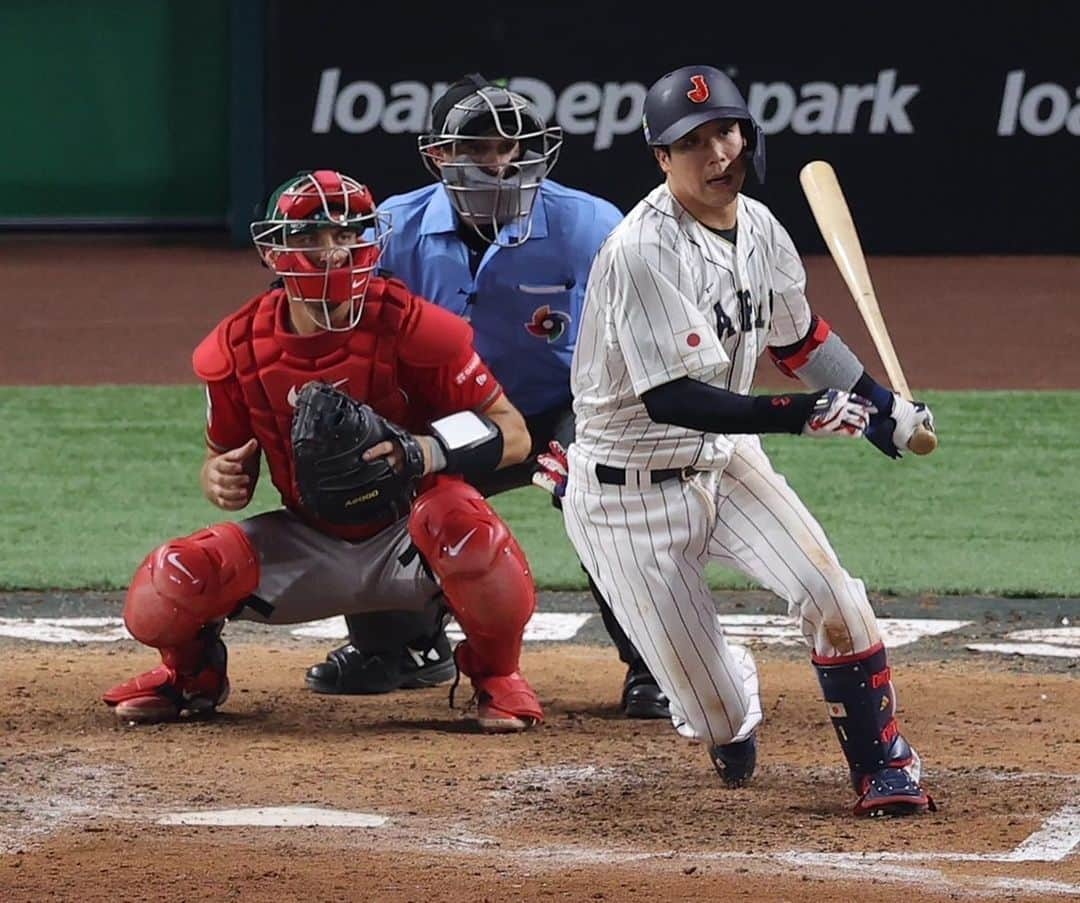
(491, 155)
(323, 236)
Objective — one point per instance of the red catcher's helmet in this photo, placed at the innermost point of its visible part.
(323, 236)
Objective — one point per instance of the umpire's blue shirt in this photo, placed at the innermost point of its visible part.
(524, 303)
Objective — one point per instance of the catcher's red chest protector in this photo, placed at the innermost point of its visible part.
(270, 365)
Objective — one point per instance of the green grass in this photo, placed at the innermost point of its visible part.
(93, 478)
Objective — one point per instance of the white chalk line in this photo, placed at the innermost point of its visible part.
(1056, 642)
(831, 866)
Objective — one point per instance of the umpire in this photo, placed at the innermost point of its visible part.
(497, 242)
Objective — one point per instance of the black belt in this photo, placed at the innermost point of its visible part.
(616, 476)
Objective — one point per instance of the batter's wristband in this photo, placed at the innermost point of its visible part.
(782, 413)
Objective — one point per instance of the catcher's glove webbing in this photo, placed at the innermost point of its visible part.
(330, 433)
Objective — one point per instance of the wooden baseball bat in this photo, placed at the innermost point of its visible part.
(827, 202)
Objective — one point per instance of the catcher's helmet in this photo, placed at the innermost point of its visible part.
(684, 99)
(489, 197)
(301, 207)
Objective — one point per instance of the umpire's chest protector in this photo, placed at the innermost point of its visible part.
(270, 364)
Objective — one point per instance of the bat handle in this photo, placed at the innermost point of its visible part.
(922, 441)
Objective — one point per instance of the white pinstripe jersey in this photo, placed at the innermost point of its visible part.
(669, 298)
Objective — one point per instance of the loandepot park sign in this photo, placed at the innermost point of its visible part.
(605, 110)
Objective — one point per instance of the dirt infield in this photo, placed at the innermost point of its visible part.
(589, 806)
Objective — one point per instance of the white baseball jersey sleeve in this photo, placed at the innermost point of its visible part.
(669, 298)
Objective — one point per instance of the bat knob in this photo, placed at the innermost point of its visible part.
(922, 441)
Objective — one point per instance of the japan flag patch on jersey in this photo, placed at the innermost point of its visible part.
(700, 352)
(699, 342)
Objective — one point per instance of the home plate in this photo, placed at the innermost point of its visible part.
(276, 817)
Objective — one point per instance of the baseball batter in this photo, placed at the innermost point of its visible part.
(666, 471)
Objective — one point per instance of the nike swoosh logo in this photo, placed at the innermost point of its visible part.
(293, 394)
(174, 559)
(455, 549)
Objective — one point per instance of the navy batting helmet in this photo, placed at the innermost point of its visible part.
(684, 99)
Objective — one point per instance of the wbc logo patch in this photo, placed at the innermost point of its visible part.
(700, 91)
(548, 324)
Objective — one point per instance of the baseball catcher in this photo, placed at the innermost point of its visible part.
(368, 405)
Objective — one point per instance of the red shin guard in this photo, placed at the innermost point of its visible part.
(482, 569)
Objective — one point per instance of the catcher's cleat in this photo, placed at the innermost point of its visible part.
(892, 791)
(735, 762)
(506, 704)
(642, 696)
(163, 694)
(349, 671)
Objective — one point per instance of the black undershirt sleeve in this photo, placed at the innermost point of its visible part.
(698, 406)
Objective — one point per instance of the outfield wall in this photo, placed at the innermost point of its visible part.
(951, 134)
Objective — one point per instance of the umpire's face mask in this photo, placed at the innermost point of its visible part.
(487, 198)
(491, 154)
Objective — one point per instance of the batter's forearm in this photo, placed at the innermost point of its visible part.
(696, 405)
(820, 359)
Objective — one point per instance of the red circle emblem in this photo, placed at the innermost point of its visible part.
(693, 340)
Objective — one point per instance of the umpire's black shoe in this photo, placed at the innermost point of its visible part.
(642, 696)
(735, 761)
(349, 671)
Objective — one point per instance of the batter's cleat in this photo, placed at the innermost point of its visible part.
(892, 791)
(163, 694)
(506, 704)
(349, 671)
(642, 696)
(735, 762)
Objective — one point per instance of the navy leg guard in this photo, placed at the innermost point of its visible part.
(861, 702)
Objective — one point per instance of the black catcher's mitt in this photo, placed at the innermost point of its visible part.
(330, 433)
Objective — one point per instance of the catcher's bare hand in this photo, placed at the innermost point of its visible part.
(227, 479)
(395, 457)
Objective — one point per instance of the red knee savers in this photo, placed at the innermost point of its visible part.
(482, 569)
(189, 582)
